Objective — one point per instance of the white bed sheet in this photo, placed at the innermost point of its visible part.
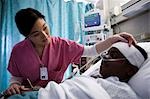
(94, 70)
(84, 87)
(76, 88)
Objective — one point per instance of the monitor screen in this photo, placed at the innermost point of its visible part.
(92, 20)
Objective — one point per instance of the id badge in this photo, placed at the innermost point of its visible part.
(43, 73)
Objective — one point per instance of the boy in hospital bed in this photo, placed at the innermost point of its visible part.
(118, 65)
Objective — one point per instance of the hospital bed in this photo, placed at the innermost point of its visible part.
(139, 83)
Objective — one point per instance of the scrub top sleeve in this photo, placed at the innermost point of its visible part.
(75, 51)
(12, 66)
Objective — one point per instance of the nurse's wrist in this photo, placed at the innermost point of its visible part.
(109, 41)
(17, 83)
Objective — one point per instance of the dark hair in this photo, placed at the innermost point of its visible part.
(26, 18)
(143, 52)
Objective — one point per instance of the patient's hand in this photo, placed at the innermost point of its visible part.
(16, 89)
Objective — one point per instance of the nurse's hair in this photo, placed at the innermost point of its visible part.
(26, 18)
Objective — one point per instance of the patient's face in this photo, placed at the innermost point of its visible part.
(114, 64)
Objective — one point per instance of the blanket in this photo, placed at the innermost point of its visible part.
(83, 88)
(76, 88)
(117, 89)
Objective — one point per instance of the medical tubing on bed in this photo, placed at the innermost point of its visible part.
(30, 83)
(34, 88)
(89, 62)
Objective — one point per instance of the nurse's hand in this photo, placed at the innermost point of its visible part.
(130, 39)
(123, 37)
(15, 89)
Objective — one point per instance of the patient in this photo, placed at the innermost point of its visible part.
(118, 65)
(122, 61)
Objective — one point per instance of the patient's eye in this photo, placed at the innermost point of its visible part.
(114, 55)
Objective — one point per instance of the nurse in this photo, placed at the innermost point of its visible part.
(41, 58)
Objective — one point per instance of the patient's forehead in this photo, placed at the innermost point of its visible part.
(114, 49)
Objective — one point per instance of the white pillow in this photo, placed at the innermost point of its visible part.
(140, 82)
(146, 46)
(93, 70)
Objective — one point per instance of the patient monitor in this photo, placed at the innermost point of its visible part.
(93, 20)
(94, 26)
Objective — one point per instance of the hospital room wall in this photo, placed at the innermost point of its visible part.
(138, 25)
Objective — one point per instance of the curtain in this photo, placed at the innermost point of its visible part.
(64, 19)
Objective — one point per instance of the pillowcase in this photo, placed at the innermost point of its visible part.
(146, 46)
(93, 70)
(140, 82)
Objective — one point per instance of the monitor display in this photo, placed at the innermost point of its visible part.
(92, 20)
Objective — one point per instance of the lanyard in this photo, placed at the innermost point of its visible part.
(43, 70)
